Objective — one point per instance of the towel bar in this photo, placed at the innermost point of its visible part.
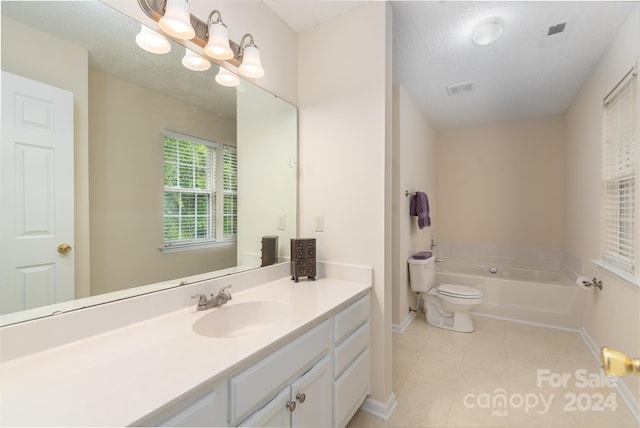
(407, 194)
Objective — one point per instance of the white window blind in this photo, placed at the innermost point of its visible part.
(620, 216)
(189, 189)
(230, 192)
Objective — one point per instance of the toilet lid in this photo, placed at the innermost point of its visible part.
(454, 290)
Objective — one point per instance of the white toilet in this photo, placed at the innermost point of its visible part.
(446, 306)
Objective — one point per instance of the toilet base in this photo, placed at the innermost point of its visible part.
(460, 322)
(457, 321)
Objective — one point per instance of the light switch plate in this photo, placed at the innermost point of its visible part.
(318, 223)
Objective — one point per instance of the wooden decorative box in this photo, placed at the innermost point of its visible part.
(303, 258)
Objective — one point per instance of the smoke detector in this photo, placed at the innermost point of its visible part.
(460, 88)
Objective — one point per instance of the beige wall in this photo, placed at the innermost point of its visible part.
(267, 174)
(502, 184)
(126, 184)
(610, 317)
(64, 65)
(414, 168)
(345, 133)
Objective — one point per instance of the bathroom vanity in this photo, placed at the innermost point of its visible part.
(302, 359)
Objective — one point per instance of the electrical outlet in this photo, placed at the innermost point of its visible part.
(282, 222)
(318, 223)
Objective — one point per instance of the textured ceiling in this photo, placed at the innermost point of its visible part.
(523, 74)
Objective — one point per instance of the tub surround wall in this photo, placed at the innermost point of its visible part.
(510, 255)
(414, 168)
(610, 317)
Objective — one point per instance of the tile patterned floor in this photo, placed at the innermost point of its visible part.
(505, 374)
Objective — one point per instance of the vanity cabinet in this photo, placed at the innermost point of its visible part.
(351, 361)
(251, 389)
(304, 403)
(319, 378)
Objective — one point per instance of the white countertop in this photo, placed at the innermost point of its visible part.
(119, 377)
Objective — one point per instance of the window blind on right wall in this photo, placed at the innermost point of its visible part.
(620, 210)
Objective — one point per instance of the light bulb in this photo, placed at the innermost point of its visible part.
(217, 46)
(195, 62)
(176, 21)
(251, 66)
(152, 41)
(226, 78)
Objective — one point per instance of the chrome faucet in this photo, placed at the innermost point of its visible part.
(219, 299)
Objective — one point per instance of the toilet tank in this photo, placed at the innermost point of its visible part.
(422, 274)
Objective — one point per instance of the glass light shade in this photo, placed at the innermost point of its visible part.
(152, 41)
(176, 21)
(251, 66)
(226, 78)
(195, 62)
(487, 31)
(218, 44)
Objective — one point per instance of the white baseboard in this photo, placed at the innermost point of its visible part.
(624, 391)
(400, 328)
(379, 409)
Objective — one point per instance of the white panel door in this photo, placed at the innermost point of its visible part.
(36, 194)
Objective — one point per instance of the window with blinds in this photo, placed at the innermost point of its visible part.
(230, 193)
(620, 216)
(195, 172)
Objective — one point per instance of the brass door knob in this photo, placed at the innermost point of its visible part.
(64, 248)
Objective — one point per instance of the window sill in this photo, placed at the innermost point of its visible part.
(179, 248)
(626, 277)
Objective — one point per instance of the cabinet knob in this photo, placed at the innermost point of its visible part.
(291, 406)
(301, 397)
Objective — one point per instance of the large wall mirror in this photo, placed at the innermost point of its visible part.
(123, 100)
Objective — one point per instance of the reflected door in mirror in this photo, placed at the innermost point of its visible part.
(36, 172)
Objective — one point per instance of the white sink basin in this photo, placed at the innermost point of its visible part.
(242, 319)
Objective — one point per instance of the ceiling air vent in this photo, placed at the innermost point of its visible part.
(460, 88)
(555, 29)
(557, 32)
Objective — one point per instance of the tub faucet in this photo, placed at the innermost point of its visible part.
(219, 299)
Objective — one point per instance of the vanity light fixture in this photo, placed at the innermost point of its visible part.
(176, 21)
(152, 41)
(217, 46)
(250, 57)
(226, 78)
(487, 31)
(195, 62)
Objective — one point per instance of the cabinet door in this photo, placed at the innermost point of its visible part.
(274, 414)
(312, 395)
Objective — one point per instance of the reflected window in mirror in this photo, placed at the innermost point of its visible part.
(196, 171)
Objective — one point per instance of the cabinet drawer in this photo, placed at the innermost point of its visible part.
(348, 350)
(350, 390)
(350, 319)
(248, 390)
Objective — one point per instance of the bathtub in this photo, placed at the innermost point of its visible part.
(536, 296)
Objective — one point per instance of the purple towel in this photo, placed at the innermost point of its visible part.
(419, 206)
